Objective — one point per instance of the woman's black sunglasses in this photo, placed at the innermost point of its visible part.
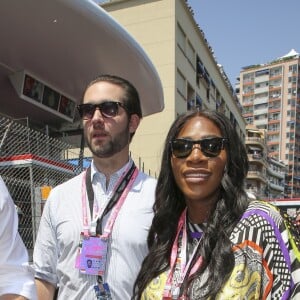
(210, 147)
(108, 109)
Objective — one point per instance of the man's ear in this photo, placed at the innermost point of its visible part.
(134, 123)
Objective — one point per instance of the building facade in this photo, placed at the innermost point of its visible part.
(257, 180)
(269, 94)
(186, 64)
(276, 179)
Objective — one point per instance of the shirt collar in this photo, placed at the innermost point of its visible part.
(95, 172)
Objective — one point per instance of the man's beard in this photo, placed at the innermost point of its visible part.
(111, 147)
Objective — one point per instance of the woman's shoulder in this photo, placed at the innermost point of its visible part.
(263, 212)
(256, 206)
(266, 217)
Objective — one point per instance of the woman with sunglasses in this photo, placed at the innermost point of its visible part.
(207, 239)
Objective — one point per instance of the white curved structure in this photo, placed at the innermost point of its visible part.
(65, 44)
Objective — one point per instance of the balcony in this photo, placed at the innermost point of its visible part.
(248, 93)
(261, 111)
(260, 122)
(257, 175)
(274, 88)
(262, 78)
(257, 159)
(260, 100)
(276, 174)
(248, 114)
(274, 76)
(274, 109)
(260, 90)
(256, 141)
(276, 187)
(274, 121)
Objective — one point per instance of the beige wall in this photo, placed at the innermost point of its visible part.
(154, 25)
(150, 22)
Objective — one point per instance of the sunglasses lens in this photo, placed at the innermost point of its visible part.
(86, 111)
(109, 109)
(211, 147)
(181, 148)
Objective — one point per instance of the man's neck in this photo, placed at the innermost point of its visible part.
(109, 166)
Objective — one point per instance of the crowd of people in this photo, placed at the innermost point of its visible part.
(113, 232)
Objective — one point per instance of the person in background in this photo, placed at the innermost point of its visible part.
(104, 213)
(208, 240)
(16, 276)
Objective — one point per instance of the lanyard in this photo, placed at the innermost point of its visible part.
(181, 258)
(123, 187)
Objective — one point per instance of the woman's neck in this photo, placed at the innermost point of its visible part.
(198, 212)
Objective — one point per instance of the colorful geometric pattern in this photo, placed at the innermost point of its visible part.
(267, 260)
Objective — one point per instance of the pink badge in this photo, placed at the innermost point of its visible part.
(92, 257)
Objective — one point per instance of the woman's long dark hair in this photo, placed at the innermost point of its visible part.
(169, 204)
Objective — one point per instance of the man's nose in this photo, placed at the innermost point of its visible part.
(97, 114)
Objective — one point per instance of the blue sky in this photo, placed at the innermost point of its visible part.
(243, 33)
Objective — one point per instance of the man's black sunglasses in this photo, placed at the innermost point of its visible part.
(108, 109)
(210, 147)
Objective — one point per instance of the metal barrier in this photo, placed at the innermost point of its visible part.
(31, 163)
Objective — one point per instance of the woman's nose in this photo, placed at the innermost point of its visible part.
(196, 153)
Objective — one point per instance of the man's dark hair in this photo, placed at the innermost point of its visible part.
(131, 99)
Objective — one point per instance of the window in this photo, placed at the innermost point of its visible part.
(274, 116)
(290, 124)
(248, 77)
(292, 79)
(274, 127)
(275, 83)
(276, 71)
(248, 89)
(262, 72)
(292, 91)
(249, 120)
(198, 101)
(293, 68)
(181, 38)
(261, 85)
(292, 102)
(181, 84)
(190, 97)
(190, 53)
(291, 113)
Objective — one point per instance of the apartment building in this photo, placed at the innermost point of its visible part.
(269, 94)
(185, 61)
(276, 178)
(266, 175)
(256, 181)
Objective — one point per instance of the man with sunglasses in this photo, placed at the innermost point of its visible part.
(103, 214)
